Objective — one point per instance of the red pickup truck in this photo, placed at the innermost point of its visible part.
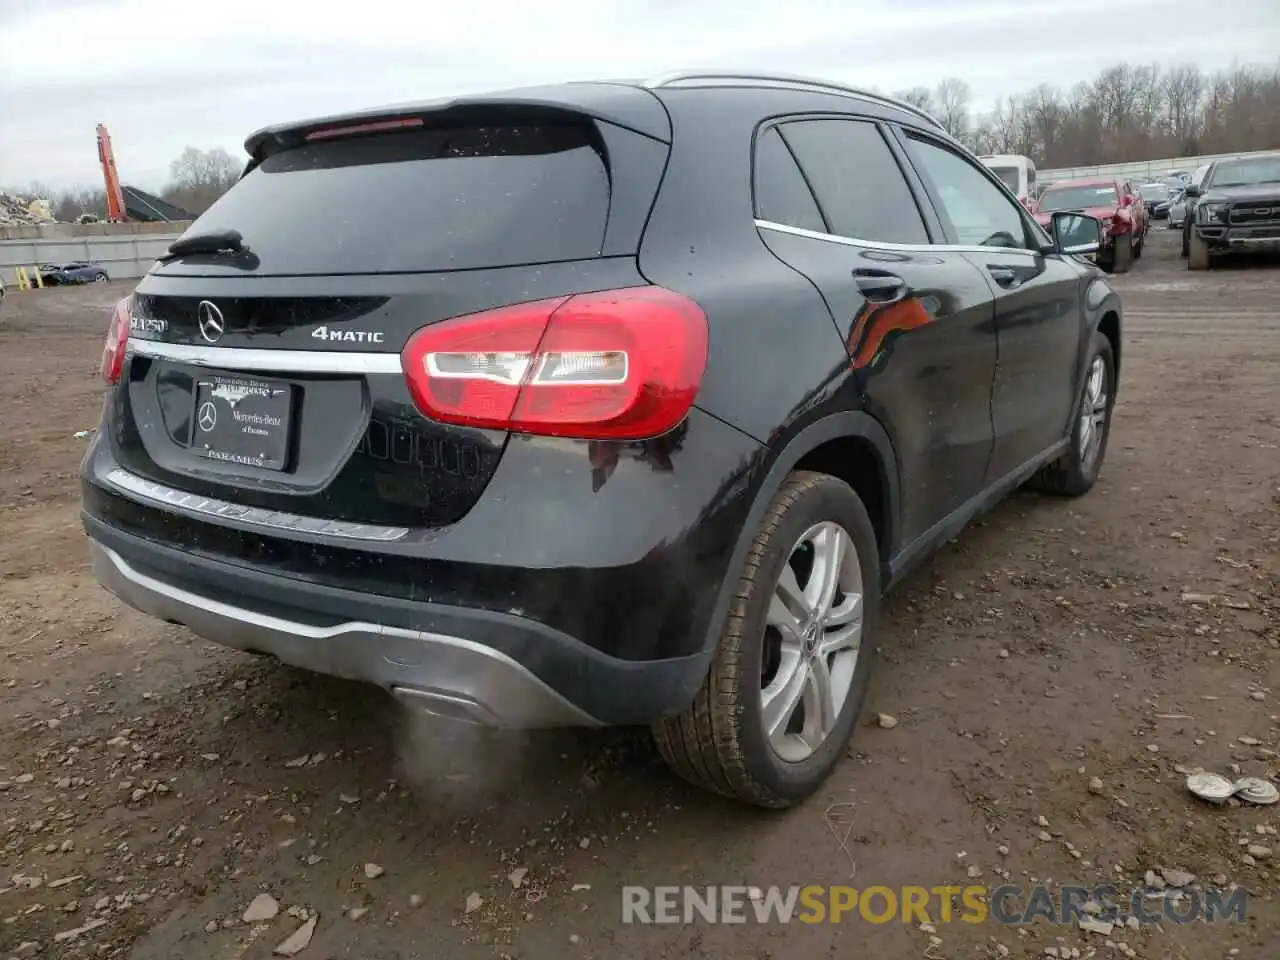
(1115, 203)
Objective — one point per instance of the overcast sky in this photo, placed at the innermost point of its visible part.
(162, 74)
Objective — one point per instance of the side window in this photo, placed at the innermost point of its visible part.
(859, 184)
(980, 214)
(782, 196)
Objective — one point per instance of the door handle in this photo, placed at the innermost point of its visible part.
(1003, 276)
(880, 287)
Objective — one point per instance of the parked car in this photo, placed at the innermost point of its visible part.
(3, 293)
(1234, 208)
(681, 378)
(1115, 203)
(1178, 210)
(58, 274)
(1156, 197)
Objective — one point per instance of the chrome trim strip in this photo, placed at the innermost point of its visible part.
(268, 361)
(158, 494)
(899, 247)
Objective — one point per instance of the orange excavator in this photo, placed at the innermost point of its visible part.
(111, 176)
(129, 203)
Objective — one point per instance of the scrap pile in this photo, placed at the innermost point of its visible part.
(17, 211)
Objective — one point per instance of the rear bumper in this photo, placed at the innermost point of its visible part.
(466, 664)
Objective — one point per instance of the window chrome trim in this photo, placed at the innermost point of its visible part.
(898, 247)
(268, 361)
(158, 494)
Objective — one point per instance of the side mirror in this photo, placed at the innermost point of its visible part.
(1075, 233)
(1191, 190)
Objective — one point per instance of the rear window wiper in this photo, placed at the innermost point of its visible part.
(218, 242)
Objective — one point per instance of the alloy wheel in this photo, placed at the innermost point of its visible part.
(1093, 412)
(813, 637)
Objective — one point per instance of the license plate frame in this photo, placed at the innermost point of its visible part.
(242, 421)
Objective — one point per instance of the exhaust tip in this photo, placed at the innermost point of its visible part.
(446, 706)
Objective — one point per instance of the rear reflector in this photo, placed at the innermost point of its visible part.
(616, 365)
(117, 340)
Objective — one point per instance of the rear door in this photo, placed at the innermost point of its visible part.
(272, 377)
(834, 202)
(1037, 299)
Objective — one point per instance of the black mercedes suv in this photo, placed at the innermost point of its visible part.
(1235, 208)
(596, 403)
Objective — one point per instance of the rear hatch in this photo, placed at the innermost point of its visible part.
(268, 374)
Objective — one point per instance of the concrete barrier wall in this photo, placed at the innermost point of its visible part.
(1143, 168)
(124, 257)
(66, 231)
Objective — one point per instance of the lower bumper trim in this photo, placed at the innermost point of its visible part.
(1255, 243)
(444, 675)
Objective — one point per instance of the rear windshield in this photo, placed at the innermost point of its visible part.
(422, 200)
(1154, 191)
(1078, 198)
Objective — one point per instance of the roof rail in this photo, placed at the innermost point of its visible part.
(680, 76)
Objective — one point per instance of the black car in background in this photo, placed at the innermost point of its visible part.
(63, 274)
(1235, 208)
(596, 403)
(1157, 197)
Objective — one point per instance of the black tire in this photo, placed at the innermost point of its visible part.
(100, 278)
(1198, 256)
(1186, 243)
(719, 741)
(1069, 475)
(1142, 243)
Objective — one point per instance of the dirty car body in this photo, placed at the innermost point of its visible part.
(497, 402)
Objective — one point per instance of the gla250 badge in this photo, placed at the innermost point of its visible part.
(333, 335)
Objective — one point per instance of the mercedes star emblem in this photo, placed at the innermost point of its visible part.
(208, 416)
(211, 323)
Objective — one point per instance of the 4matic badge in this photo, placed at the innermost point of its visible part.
(335, 335)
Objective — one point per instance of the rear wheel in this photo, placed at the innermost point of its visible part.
(1198, 257)
(1076, 471)
(1142, 243)
(790, 671)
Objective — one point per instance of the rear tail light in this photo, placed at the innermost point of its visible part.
(117, 340)
(616, 365)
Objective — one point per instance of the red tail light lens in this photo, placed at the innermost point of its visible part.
(616, 365)
(117, 339)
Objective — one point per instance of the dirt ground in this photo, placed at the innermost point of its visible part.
(1061, 660)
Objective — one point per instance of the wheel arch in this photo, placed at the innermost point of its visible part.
(850, 445)
(1105, 315)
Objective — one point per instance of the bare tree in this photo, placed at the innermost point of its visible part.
(951, 101)
(1183, 92)
(1137, 113)
(199, 177)
(920, 97)
(71, 205)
